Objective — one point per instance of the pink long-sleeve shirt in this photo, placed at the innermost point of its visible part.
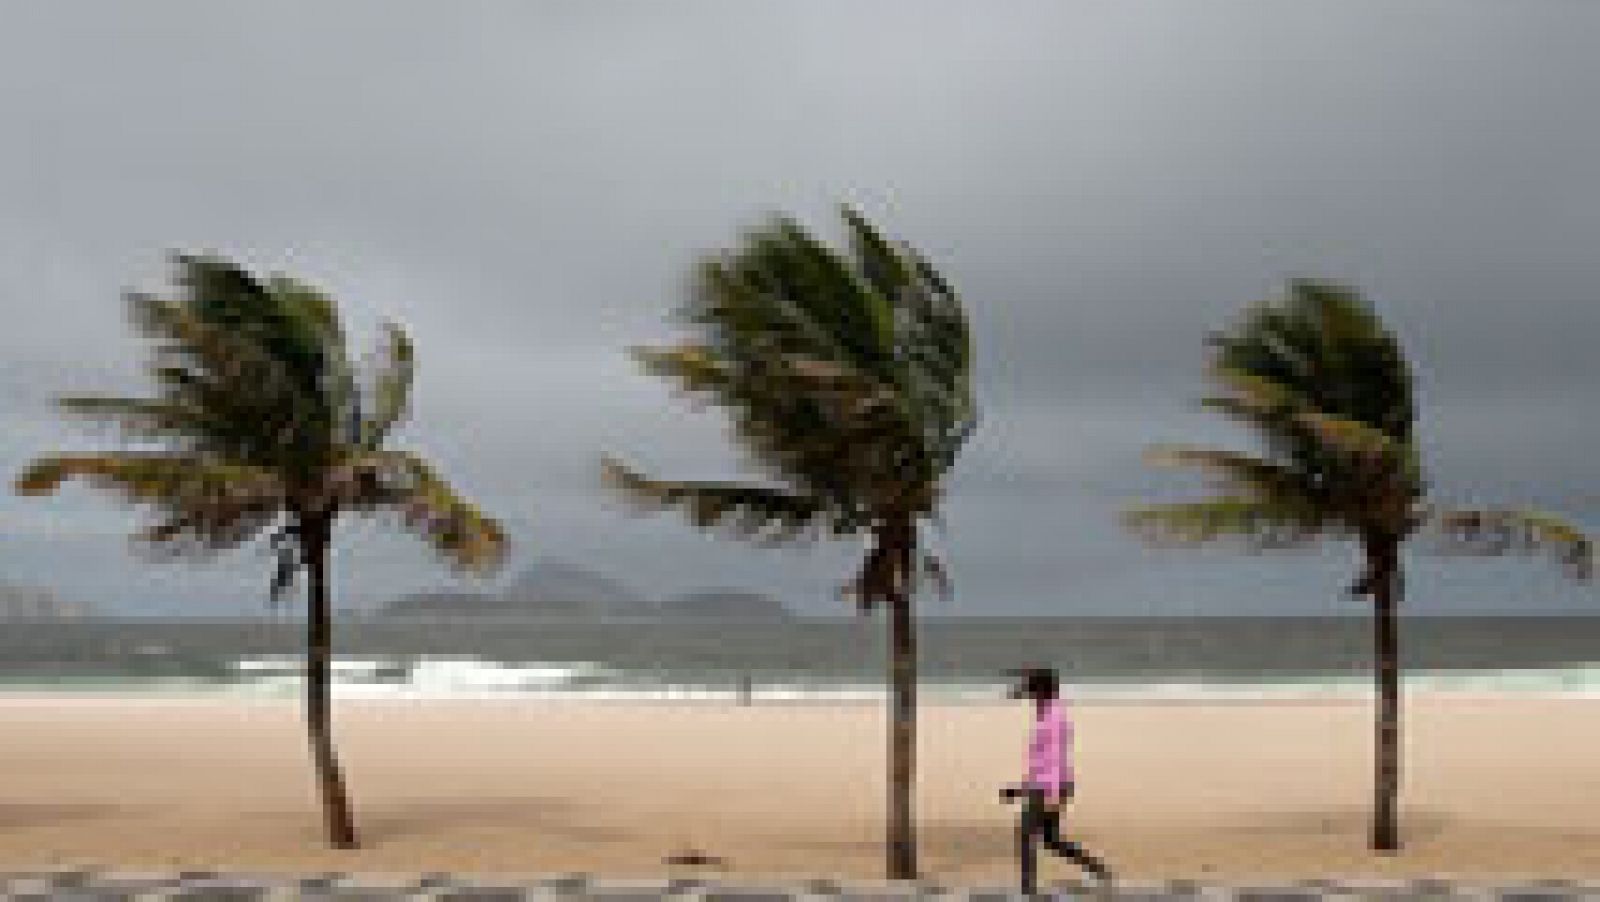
(1050, 748)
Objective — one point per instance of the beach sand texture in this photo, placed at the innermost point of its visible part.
(1495, 787)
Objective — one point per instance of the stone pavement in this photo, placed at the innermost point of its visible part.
(94, 886)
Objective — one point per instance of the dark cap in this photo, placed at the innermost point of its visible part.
(1034, 682)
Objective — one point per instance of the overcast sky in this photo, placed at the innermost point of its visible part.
(524, 185)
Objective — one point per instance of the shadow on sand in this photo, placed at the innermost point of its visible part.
(1418, 824)
(14, 815)
(537, 816)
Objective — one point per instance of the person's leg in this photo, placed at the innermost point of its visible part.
(1027, 829)
(1050, 828)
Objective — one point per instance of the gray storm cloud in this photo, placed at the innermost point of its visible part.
(524, 185)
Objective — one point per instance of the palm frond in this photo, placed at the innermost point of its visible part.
(150, 477)
(930, 348)
(1366, 447)
(1498, 531)
(847, 380)
(305, 330)
(210, 505)
(800, 340)
(1242, 474)
(243, 402)
(1271, 410)
(1255, 523)
(1322, 342)
(206, 530)
(141, 417)
(1325, 387)
(391, 391)
(1257, 391)
(258, 351)
(392, 480)
(765, 513)
(697, 373)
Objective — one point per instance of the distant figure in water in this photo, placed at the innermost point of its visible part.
(745, 689)
(1049, 782)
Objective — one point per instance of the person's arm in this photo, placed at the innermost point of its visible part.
(1068, 777)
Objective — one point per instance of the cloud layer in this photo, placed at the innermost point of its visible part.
(524, 186)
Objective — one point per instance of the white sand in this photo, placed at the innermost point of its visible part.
(1494, 787)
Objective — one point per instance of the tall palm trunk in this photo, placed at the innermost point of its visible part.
(897, 540)
(1384, 564)
(317, 536)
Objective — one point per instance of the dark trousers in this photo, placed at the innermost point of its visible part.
(1037, 823)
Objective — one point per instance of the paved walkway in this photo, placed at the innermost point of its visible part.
(95, 886)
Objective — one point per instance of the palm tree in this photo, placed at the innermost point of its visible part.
(1327, 389)
(261, 423)
(846, 377)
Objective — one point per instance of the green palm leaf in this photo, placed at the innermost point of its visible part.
(1264, 480)
(391, 394)
(402, 482)
(745, 511)
(1499, 531)
(153, 478)
(1253, 522)
(830, 365)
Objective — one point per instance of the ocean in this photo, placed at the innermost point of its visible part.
(960, 658)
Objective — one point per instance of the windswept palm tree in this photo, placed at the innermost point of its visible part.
(846, 377)
(1327, 389)
(262, 424)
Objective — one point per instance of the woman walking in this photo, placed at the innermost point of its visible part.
(1049, 782)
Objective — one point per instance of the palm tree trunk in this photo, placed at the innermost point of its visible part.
(898, 540)
(319, 653)
(1385, 567)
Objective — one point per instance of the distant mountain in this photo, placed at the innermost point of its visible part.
(725, 604)
(551, 587)
(556, 589)
(27, 603)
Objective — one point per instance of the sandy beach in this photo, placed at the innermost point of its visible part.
(1495, 787)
